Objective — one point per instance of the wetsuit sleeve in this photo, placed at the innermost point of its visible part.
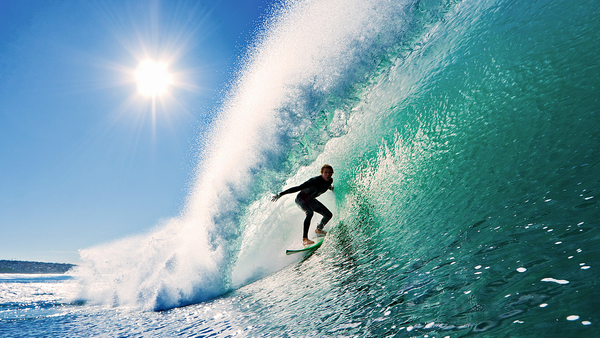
(297, 188)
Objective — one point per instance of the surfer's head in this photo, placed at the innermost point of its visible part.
(326, 167)
(327, 172)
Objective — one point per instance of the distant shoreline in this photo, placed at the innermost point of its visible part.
(10, 266)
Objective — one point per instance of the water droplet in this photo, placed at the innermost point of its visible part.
(559, 281)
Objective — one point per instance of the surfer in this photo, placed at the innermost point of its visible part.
(306, 200)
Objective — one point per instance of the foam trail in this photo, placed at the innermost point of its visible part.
(309, 52)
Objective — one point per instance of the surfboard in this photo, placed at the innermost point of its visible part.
(318, 241)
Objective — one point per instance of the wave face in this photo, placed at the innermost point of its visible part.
(464, 138)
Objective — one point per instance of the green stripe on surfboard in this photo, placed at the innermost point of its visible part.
(318, 242)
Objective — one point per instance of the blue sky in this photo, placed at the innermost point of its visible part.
(83, 157)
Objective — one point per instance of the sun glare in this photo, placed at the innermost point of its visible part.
(152, 78)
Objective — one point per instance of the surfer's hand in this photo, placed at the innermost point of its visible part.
(275, 198)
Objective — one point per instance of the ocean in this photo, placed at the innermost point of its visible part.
(464, 136)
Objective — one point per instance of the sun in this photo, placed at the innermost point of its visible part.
(152, 78)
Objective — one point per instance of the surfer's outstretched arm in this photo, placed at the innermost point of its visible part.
(291, 190)
(278, 196)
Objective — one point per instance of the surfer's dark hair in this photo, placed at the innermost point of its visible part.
(326, 166)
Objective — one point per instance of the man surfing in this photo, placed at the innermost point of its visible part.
(306, 200)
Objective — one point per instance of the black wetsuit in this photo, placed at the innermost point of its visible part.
(306, 200)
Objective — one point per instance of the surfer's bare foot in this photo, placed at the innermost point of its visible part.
(320, 232)
(307, 241)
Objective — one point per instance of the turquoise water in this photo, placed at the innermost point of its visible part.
(464, 138)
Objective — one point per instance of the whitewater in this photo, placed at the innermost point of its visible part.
(464, 138)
